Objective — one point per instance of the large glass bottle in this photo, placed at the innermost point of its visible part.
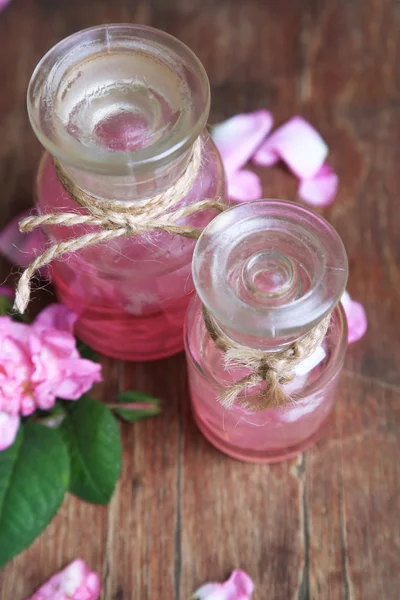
(120, 107)
(268, 273)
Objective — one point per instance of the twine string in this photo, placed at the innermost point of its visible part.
(115, 220)
(271, 369)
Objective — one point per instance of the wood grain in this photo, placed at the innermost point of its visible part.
(324, 526)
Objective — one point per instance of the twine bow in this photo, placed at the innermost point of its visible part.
(115, 219)
(273, 369)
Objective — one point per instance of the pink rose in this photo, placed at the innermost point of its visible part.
(239, 586)
(39, 363)
(75, 582)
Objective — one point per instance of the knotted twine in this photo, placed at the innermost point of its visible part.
(272, 369)
(115, 219)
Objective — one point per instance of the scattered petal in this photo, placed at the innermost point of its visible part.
(239, 586)
(75, 582)
(265, 157)
(239, 137)
(356, 318)
(20, 248)
(321, 189)
(244, 185)
(9, 425)
(3, 4)
(298, 144)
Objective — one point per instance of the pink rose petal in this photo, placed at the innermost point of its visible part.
(239, 586)
(56, 316)
(74, 385)
(356, 318)
(244, 185)
(321, 189)
(75, 582)
(9, 425)
(298, 144)
(266, 157)
(239, 137)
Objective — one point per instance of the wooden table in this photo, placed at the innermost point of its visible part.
(324, 526)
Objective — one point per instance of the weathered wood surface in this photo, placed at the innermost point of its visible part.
(327, 525)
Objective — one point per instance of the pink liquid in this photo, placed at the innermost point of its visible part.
(266, 436)
(131, 294)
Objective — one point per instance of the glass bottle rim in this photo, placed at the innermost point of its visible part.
(290, 249)
(49, 88)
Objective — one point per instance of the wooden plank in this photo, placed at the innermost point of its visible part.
(144, 523)
(79, 530)
(318, 527)
(322, 527)
(351, 92)
(352, 481)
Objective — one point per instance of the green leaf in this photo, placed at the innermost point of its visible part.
(148, 406)
(34, 474)
(86, 351)
(92, 435)
(7, 310)
(21, 318)
(6, 306)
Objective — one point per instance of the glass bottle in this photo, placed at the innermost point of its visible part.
(120, 107)
(267, 272)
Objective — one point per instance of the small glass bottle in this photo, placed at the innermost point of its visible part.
(120, 107)
(268, 273)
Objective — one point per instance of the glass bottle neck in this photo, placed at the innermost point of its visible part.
(130, 188)
(267, 343)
